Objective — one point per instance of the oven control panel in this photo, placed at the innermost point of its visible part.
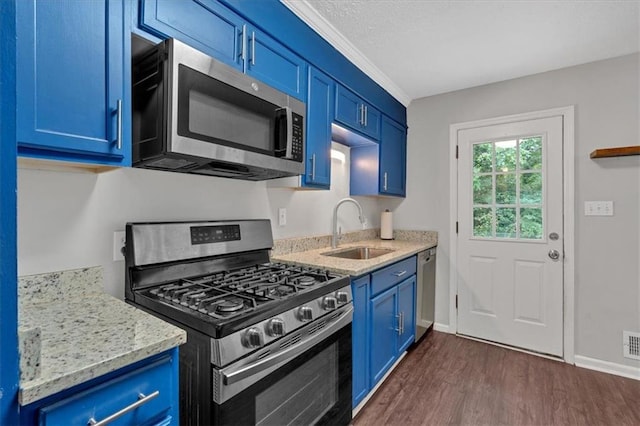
(214, 234)
(242, 342)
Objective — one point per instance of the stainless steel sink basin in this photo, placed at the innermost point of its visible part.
(358, 253)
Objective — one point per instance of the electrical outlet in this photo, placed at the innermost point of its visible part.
(282, 216)
(119, 240)
(598, 208)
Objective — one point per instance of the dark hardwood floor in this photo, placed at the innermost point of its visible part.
(450, 380)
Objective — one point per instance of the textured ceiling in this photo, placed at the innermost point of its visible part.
(427, 47)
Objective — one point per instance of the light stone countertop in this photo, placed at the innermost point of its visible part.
(405, 244)
(84, 333)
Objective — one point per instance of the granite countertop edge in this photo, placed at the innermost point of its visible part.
(64, 372)
(314, 258)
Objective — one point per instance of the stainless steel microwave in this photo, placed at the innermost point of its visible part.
(193, 114)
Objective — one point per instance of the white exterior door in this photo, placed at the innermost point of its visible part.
(510, 236)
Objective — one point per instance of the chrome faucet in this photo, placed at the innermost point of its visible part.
(334, 235)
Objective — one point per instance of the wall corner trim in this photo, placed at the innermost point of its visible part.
(608, 367)
(310, 16)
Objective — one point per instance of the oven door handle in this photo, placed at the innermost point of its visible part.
(291, 352)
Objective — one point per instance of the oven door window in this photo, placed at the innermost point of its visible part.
(314, 388)
(213, 111)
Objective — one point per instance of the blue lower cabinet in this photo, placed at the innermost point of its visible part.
(360, 290)
(71, 97)
(384, 322)
(407, 310)
(146, 393)
(384, 332)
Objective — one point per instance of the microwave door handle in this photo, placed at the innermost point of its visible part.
(289, 151)
(291, 352)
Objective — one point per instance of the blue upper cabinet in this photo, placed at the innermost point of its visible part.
(393, 158)
(319, 117)
(204, 24)
(356, 114)
(71, 97)
(219, 32)
(269, 61)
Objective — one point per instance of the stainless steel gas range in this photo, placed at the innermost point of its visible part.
(267, 343)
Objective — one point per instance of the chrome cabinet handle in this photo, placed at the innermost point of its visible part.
(253, 48)
(399, 329)
(401, 322)
(399, 274)
(366, 112)
(384, 186)
(362, 115)
(554, 254)
(142, 399)
(313, 167)
(243, 48)
(118, 140)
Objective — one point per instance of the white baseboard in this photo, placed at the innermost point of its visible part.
(441, 327)
(608, 367)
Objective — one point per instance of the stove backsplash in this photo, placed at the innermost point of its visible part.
(55, 286)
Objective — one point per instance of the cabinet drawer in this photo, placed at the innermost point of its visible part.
(392, 274)
(117, 394)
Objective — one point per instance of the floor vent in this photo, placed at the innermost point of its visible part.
(631, 344)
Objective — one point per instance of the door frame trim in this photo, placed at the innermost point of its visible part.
(568, 199)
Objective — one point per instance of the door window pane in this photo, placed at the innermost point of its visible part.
(482, 222)
(508, 195)
(506, 189)
(506, 156)
(483, 189)
(505, 222)
(531, 188)
(531, 153)
(483, 157)
(531, 223)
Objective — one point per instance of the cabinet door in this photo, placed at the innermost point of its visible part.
(384, 333)
(204, 24)
(349, 108)
(393, 158)
(360, 291)
(406, 307)
(156, 381)
(318, 141)
(371, 121)
(72, 66)
(271, 62)
(356, 114)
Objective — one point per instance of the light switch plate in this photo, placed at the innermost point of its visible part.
(598, 208)
(282, 216)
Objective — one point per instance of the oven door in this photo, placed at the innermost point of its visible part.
(308, 382)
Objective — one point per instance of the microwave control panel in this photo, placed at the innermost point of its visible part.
(296, 139)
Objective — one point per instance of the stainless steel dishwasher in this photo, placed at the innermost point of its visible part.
(426, 297)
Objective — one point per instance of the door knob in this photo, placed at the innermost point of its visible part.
(554, 254)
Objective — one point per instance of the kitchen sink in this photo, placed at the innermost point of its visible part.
(358, 253)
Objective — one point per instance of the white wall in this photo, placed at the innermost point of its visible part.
(66, 219)
(605, 93)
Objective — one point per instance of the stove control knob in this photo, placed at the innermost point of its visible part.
(275, 327)
(329, 303)
(305, 314)
(342, 297)
(252, 338)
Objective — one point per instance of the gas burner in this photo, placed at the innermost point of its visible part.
(282, 290)
(228, 306)
(305, 280)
